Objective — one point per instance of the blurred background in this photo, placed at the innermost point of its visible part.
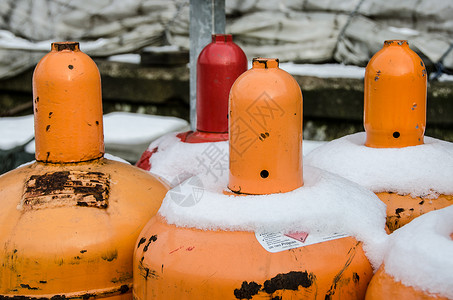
(142, 50)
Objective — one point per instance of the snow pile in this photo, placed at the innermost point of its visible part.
(326, 204)
(324, 70)
(420, 254)
(132, 128)
(125, 134)
(16, 131)
(175, 161)
(425, 170)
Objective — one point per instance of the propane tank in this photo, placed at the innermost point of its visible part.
(395, 97)
(267, 103)
(394, 117)
(177, 258)
(69, 221)
(418, 261)
(218, 66)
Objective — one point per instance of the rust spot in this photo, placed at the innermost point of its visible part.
(398, 211)
(355, 277)
(26, 286)
(153, 238)
(146, 272)
(110, 256)
(124, 289)
(289, 281)
(142, 240)
(247, 290)
(66, 188)
(337, 277)
(190, 248)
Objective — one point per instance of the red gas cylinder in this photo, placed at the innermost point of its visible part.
(209, 242)
(218, 66)
(68, 221)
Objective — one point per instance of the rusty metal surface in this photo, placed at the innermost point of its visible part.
(67, 188)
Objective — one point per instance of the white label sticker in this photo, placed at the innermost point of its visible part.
(276, 242)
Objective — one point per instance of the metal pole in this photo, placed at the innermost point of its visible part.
(206, 17)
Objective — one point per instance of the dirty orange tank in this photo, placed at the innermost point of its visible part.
(265, 117)
(183, 262)
(69, 221)
(395, 117)
(384, 286)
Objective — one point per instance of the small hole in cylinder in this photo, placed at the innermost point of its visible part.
(396, 134)
(264, 174)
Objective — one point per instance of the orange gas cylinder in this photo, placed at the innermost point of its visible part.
(68, 221)
(395, 97)
(395, 117)
(265, 117)
(218, 66)
(409, 172)
(418, 262)
(208, 242)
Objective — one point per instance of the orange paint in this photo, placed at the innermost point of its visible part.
(395, 117)
(173, 262)
(265, 119)
(395, 97)
(403, 209)
(68, 106)
(233, 265)
(69, 221)
(383, 287)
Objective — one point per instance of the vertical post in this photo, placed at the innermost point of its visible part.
(219, 16)
(206, 17)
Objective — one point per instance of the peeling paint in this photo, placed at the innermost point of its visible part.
(66, 188)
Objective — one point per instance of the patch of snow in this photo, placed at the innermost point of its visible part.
(445, 77)
(322, 70)
(161, 49)
(403, 30)
(126, 58)
(125, 134)
(420, 254)
(308, 145)
(115, 158)
(326, 204)
(132, 128)
(16, 131)
(423, 170)
(175, 158)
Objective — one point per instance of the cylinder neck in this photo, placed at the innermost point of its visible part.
(265, 63)
(67, 106)
(402, 43)
(222, 38)
(60, 46)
